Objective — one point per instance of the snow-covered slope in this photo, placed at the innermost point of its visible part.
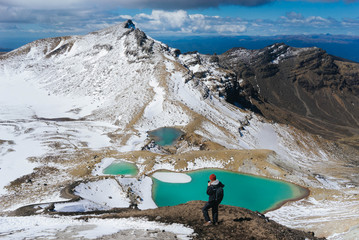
(68, 103)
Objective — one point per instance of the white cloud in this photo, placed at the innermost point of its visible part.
(318, 21)
(160, 19)
(180, 22)
(124, 17)
(296, 19)
(14, 14)
(161, 22)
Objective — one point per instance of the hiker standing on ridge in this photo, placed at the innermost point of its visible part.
(215, 192)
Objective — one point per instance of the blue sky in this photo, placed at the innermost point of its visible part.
(22, 21)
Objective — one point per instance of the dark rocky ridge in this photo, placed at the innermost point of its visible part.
(235, 222)
(306, 88)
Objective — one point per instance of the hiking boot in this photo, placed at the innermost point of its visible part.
(207, 223)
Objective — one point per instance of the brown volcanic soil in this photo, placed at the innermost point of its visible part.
(311, 90)
(235, 222)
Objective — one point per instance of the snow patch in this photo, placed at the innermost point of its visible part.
(143, 188)
(105, 192)
(155, 108)
(171, 177)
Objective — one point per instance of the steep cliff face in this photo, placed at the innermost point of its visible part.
(305, 87)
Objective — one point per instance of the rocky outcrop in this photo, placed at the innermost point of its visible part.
(307, 88)
(234, 222)
(129, 24)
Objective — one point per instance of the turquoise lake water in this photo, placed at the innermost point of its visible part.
(121, 168)
(165, 136)
(251, 192)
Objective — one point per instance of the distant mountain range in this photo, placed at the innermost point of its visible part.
(339, 45)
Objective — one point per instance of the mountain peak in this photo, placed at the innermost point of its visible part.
(129, 24)
(117, 29)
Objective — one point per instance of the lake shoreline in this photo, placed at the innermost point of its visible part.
(279, 205)
(304, 192)
(160, 135)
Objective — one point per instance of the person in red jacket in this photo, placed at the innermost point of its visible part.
(215, 192)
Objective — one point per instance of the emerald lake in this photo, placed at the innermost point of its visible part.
(165, 136)
(247, 191)
(121, 168)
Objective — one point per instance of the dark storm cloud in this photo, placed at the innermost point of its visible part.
(81, 16)
(156, 4)
(138, 4)
(189, 4)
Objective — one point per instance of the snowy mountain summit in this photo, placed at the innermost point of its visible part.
(129, 24)
(70, 106)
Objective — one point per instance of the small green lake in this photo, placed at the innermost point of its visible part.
(165, 136)
(121, 168)
(247, 191)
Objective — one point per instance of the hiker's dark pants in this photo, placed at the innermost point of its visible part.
(214, 206)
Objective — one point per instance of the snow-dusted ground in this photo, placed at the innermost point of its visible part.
(100, 195)
(100, 93)
(49, 227)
